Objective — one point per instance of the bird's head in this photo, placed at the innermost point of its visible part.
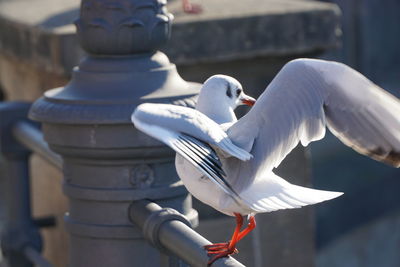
(225, 90)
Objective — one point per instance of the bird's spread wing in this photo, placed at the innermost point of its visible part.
(189, 133)
(304, 97)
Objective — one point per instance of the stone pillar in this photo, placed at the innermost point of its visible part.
(107, 162)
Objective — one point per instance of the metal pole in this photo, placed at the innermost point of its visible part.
(169, 230)
(18, 194)
(19, 223)
(20, 231)
(21, 242)
(107, 163)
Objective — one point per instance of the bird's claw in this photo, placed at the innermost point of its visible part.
(216, 246)
(235, 251)
(218, 256)
(219, 250)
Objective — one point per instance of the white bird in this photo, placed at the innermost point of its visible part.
(228, 163)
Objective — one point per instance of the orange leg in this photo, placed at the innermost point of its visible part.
(191, 8)
(219, 247)
(248, 229)
(220, 250)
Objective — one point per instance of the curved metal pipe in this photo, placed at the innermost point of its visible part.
(32, 138)
(166, 229)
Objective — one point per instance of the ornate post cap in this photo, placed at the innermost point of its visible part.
(121, 27)
(123, 68)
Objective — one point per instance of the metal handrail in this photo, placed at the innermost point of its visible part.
(32, 138)
(167, 229)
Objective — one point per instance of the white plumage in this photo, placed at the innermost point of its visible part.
(228, 163)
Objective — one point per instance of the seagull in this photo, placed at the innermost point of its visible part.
(229, 164)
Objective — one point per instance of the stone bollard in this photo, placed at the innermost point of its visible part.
(107, 162)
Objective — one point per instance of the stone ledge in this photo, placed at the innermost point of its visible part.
(252, 28)
(42, 32)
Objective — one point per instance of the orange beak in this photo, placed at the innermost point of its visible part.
(247, 100)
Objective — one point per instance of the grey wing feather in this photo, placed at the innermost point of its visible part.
(197, 152)
(305, 96)
(190, 122)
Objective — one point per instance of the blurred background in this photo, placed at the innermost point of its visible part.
(251, 41)
(362, 228)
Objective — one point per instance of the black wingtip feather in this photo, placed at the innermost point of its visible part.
(209, 151)
(201, 150)
(213, 168)
(392, 158)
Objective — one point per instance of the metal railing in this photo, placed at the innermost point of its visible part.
(32, 138)
(165, 228)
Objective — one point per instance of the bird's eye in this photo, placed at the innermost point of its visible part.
(238, 92)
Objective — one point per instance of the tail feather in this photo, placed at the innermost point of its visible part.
(310, 196)
(274, 193)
